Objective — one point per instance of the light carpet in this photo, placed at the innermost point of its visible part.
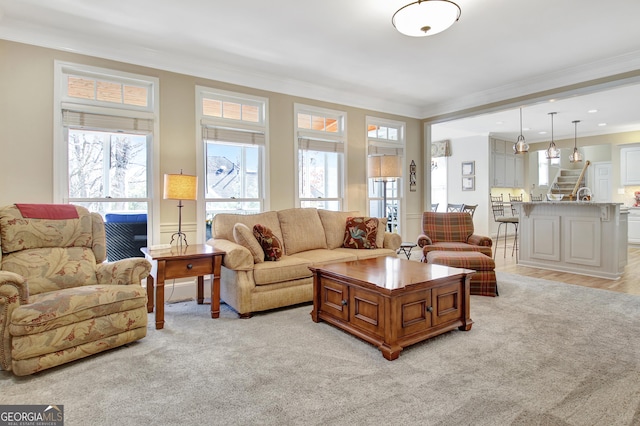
(542, 353)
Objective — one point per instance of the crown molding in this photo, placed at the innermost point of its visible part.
(516, 93)
(581, 79)
(199, 66)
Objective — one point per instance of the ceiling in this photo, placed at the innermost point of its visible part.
(348, 52)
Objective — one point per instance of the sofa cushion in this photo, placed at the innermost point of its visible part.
(56, 309)
(51, 269)
(382, 228)
(368, 254)
(455, 246)
(360, 233)
(222, 225)
(288, 268)
(333, 223)
(20, 233)
(243, 235)
(326, 256)
(301, 230)
(456, 227)
(270, 243)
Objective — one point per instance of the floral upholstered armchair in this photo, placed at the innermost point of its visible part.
(59, 300)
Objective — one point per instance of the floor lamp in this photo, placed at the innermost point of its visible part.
(180, 187)
(384, 168)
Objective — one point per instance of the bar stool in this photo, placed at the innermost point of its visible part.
(498, 208)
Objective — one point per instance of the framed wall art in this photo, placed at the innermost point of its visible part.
(468, 168)
(468, 183)
(412, 176)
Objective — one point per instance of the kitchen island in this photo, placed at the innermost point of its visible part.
(588, 238)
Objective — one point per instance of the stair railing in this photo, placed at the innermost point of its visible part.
(572, 196)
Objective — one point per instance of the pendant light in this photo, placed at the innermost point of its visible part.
(520, 147)
(552, 151)
(575, 156)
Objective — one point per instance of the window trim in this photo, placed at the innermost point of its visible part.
(318, 135)
(202, 92)
(60, 144)
(386, 145)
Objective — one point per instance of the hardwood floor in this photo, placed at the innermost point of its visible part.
(629, 282)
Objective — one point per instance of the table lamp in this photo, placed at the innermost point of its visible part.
(180, 187)
(385, 168)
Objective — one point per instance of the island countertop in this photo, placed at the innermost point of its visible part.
(569, 203)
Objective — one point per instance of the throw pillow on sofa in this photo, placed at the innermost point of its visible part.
(361, 233)
(270, 243)
(243, 235)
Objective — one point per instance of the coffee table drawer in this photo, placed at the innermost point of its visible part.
(447, 303)
(367, 310)
(415, 312)
(334, 299)
(188, 268)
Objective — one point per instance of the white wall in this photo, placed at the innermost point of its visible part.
(472, 148)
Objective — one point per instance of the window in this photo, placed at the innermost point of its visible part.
(543, 169)
(104, 142)
(321, 146)
(233, 142)
(385, 137)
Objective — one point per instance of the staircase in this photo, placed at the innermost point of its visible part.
(568, 181)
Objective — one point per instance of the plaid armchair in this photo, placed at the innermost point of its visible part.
(59, 300)
(452, 232)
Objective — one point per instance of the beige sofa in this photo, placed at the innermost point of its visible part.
(309, 236)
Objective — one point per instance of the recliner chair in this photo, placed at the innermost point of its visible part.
(59, 300)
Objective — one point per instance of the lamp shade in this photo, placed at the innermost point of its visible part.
(180, 187)
(575, 156)
(426, 17)
(553, 151)
(385, 167)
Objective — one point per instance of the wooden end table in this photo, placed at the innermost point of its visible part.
(406, 249)
(183, 262)
(391, 302)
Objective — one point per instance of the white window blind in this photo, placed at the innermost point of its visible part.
(375, 149)
(320, 145)
(87, 120)
(222, 134)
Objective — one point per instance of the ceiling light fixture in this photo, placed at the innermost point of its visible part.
(520, 147)
(426, 17)
(552, 151)
(575, 156)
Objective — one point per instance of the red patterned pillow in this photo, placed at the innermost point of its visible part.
(360, 233)
(270, 243)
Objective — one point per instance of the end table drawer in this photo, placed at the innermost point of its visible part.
(188, 268)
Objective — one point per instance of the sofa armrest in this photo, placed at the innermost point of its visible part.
(236, 257)
(423, 240)
(392, 241)
(123, 272)
(13, 293)
(479, 240)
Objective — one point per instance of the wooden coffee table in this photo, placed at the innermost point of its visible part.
(391, 302)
